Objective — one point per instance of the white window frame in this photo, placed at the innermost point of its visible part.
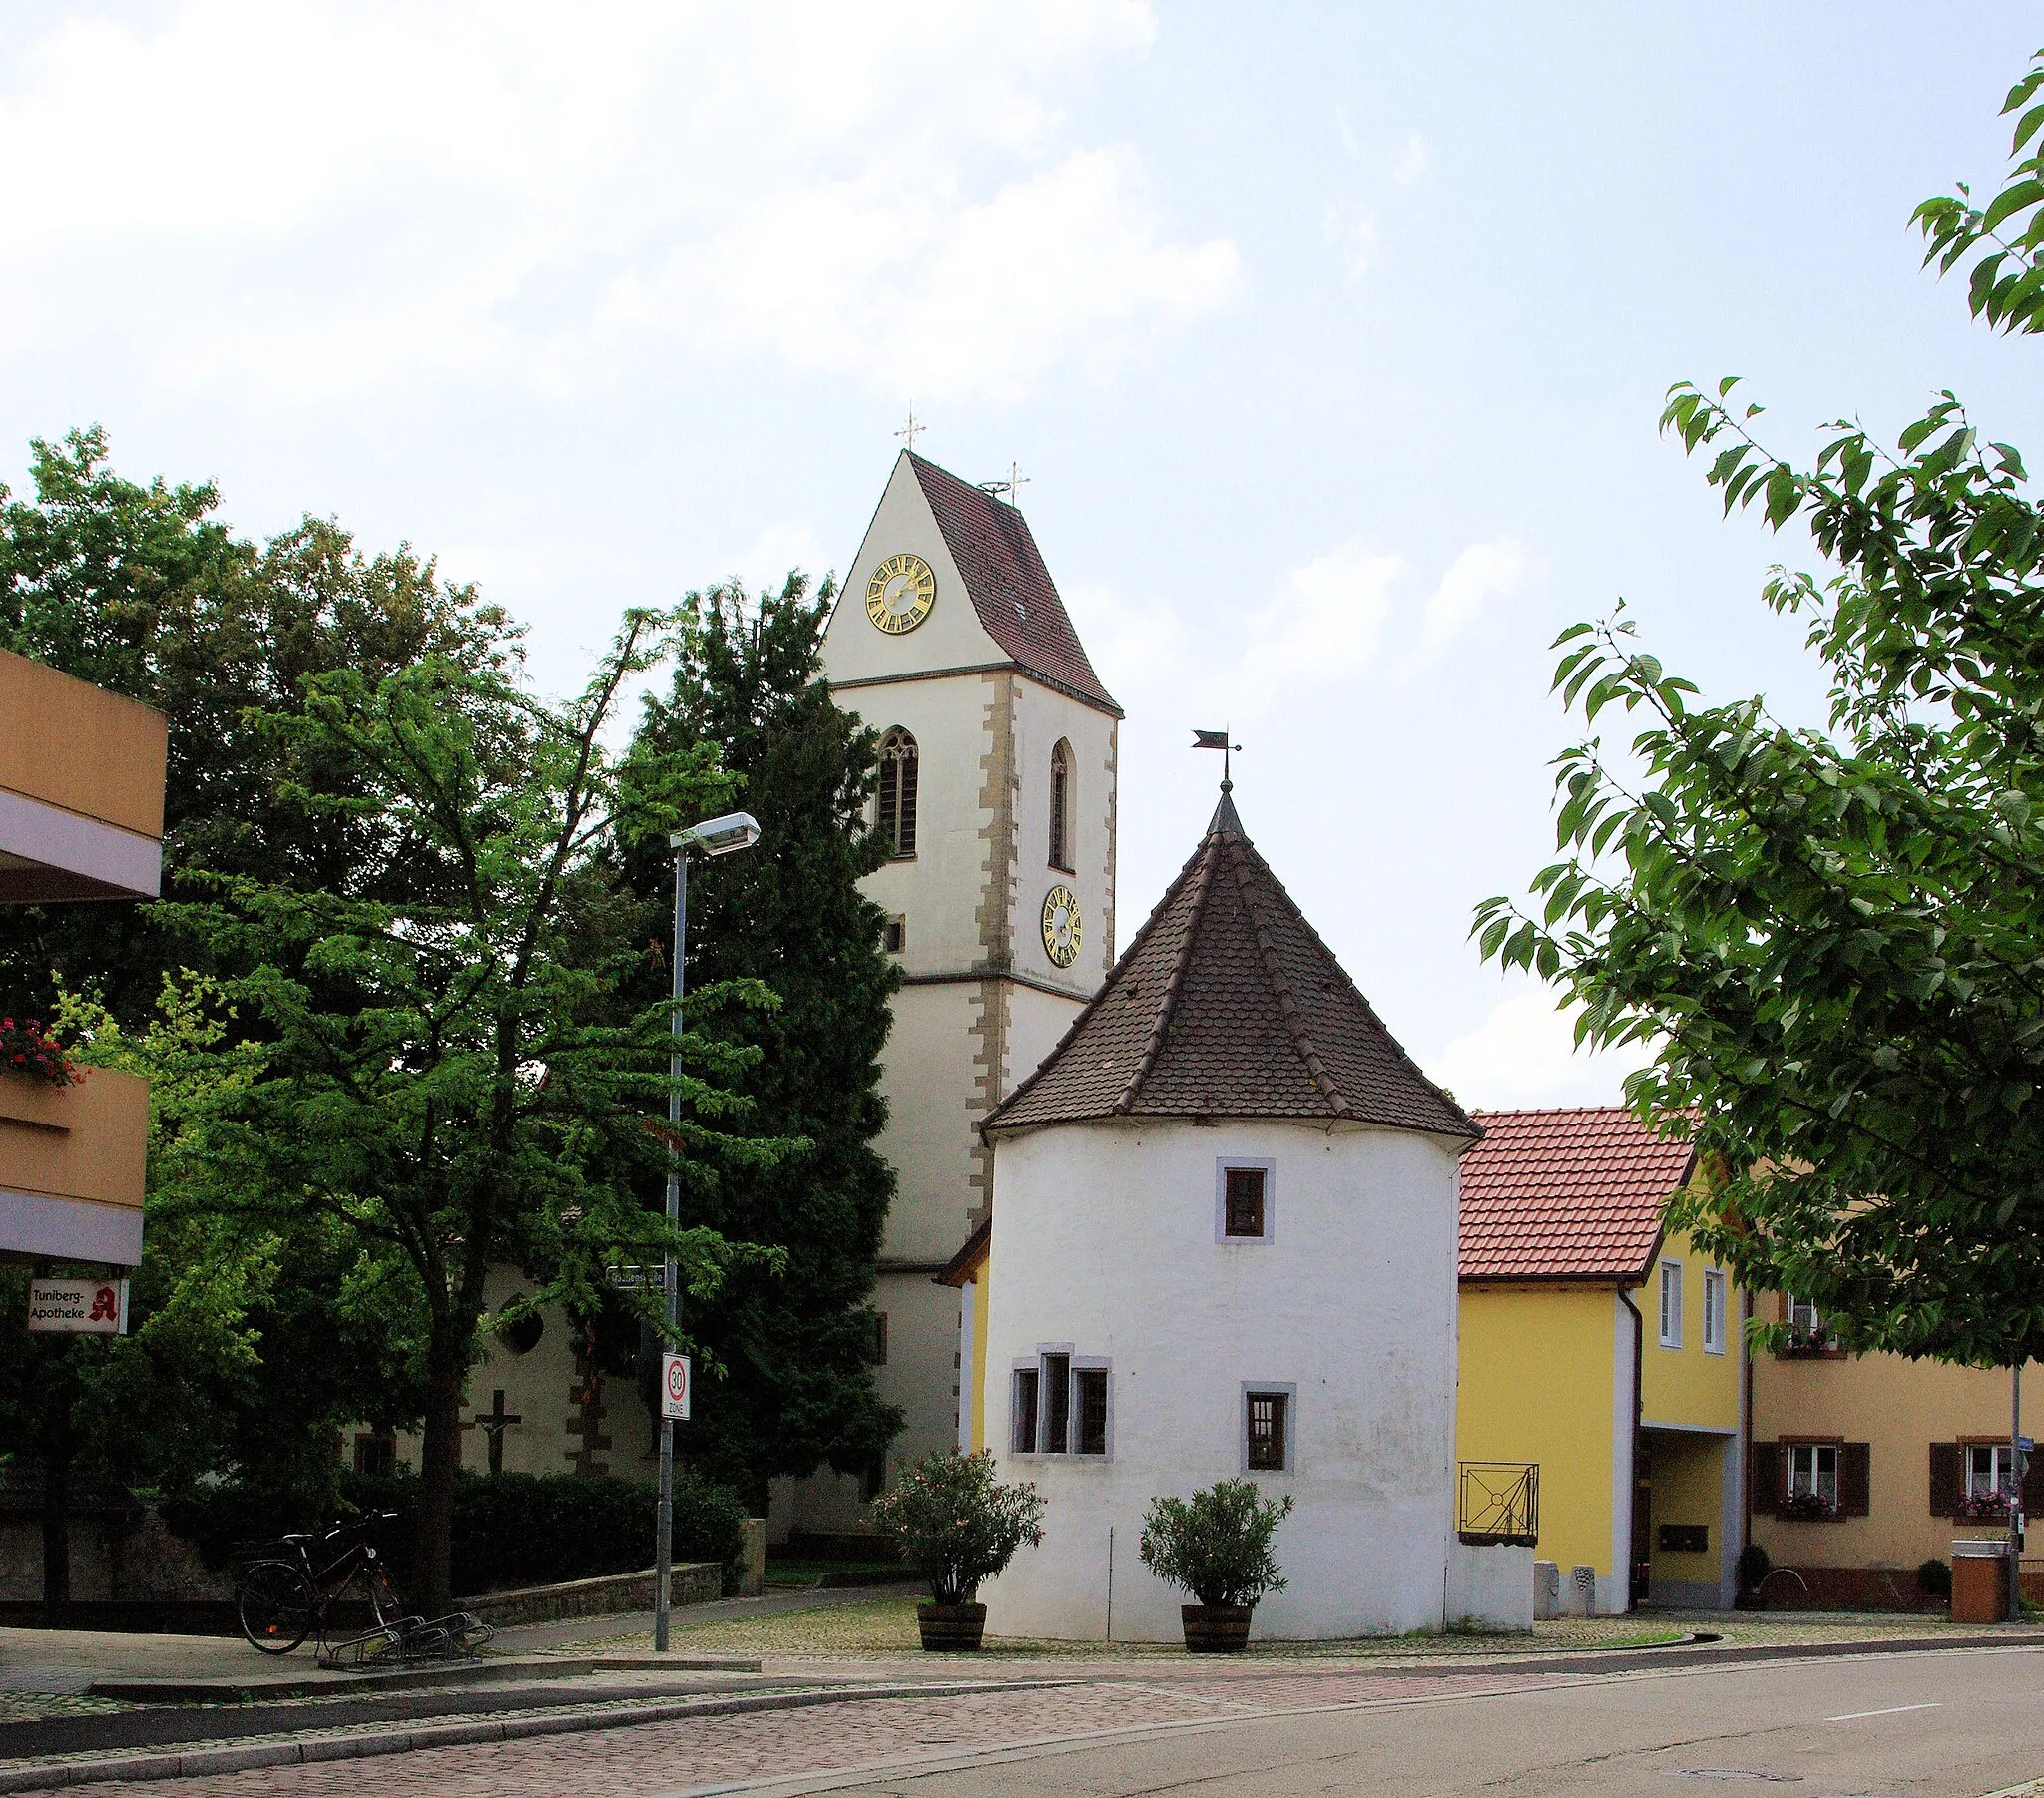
(1799, 1308)
(1075, 1364)
(1717, 1291)
(1671, 1315)
(2000, 1479)
(1813, 1475)
(1222, 1167)
(1241, 1412)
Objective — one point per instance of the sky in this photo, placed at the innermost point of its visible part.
(1330, 340)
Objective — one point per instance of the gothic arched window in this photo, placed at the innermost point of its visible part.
(1061, 807)
(897, 791)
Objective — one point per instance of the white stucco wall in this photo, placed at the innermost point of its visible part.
(1105, 1241)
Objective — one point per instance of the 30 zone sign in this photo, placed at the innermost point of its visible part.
(674, 1386)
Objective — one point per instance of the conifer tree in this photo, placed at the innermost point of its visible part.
(798, 1347)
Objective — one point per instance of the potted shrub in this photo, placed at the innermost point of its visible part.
(958, 1526)
(1217, 1545)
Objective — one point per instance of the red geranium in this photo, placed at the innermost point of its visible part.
(27, 1048)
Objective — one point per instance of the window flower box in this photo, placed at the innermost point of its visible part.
(30, 1050)
(1808, 1508)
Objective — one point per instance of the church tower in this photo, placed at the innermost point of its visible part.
(997, 792)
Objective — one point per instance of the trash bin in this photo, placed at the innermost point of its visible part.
(1980, 1582)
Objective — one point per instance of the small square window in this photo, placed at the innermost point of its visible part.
(895, 935)
(377, 1454)
(1813, 1472)
(1089, 1391)
(1028, 1384)
(1268, 1421)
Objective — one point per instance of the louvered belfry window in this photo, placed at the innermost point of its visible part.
(1061, 807)
(897, 791)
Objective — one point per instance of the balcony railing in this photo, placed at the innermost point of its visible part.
(1498, 1502)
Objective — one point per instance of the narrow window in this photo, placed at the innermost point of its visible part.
(1267, 1424)
(1714, 1311)
(1670, 1304)
(1244, 1201)
(897, 791)
(880, 1339)
(895, 936)
(1089, 1385)
(1814, 1472)
(1061, 807)
(1027, 1383)
(1057, 1404)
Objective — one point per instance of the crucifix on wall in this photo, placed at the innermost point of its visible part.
(494, 1422)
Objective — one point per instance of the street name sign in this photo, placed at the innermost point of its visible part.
(78, 1307)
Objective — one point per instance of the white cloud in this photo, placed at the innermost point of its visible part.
(1410, 163)
(1352, 234)
(1481, 573)
(340, 199)
(1524, 1054)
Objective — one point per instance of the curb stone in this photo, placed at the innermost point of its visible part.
(50, 1776)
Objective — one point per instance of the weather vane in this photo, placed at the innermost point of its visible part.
(1218, 740)
(912, 429)
(1012, 486)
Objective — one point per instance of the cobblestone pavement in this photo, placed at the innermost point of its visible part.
(651, 1759)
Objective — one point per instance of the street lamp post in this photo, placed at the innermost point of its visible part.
(714, 836)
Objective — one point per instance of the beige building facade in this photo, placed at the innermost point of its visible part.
(1000, 791)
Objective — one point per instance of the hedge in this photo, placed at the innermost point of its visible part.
(510, 1529)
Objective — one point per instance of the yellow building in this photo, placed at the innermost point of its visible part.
(80, 818)
(1604, 1350)
(1865, 1466)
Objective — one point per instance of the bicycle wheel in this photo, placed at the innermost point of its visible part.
(275, 1604)
(384, 1598)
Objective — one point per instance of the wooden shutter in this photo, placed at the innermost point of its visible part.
(1948, 1478)
(1767, 1478)
(1856, 1478)
(2033, 1485)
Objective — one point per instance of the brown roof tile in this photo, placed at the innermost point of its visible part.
(1010, 587)
(1575, 1193)
(1227, 1004)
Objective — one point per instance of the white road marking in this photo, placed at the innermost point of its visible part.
(1893, 1710)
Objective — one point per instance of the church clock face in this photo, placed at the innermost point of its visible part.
(900, 593)
(1061, 928)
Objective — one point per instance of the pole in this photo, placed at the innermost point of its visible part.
(664, 1516)
(2015, 1491)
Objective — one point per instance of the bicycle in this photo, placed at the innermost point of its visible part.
(284, 1596)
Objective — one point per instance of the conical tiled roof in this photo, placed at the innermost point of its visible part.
(1229, 1005)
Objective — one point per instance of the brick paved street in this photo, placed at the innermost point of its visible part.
(666, 1757)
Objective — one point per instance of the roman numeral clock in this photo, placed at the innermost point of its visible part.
(900, 593)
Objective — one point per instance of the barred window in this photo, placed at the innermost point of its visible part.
(898, 769)
(1267, 1425)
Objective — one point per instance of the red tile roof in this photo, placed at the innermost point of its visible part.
(1011, 589)
(1229, 1005)
(1566, 1194)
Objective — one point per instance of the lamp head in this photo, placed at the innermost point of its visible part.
(719, 836)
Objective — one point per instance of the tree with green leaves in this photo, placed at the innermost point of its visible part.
(1833, 939)
(453, 1075)
(798, 1347)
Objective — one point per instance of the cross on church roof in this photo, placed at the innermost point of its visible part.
(1012, 486)
(913, 429)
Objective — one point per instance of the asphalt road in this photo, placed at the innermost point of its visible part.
(1951, 1723)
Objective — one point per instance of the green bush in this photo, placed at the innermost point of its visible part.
(510, 1529)
(1934, 1579)
(1216, 1543)
(1754, 1564)
(956, 1524)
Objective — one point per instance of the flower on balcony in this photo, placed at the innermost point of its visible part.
(1808, 1507)
(27, 1048)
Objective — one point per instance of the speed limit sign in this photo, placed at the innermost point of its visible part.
(674, 1386)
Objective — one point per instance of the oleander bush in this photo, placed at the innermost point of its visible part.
(1216, 1544)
